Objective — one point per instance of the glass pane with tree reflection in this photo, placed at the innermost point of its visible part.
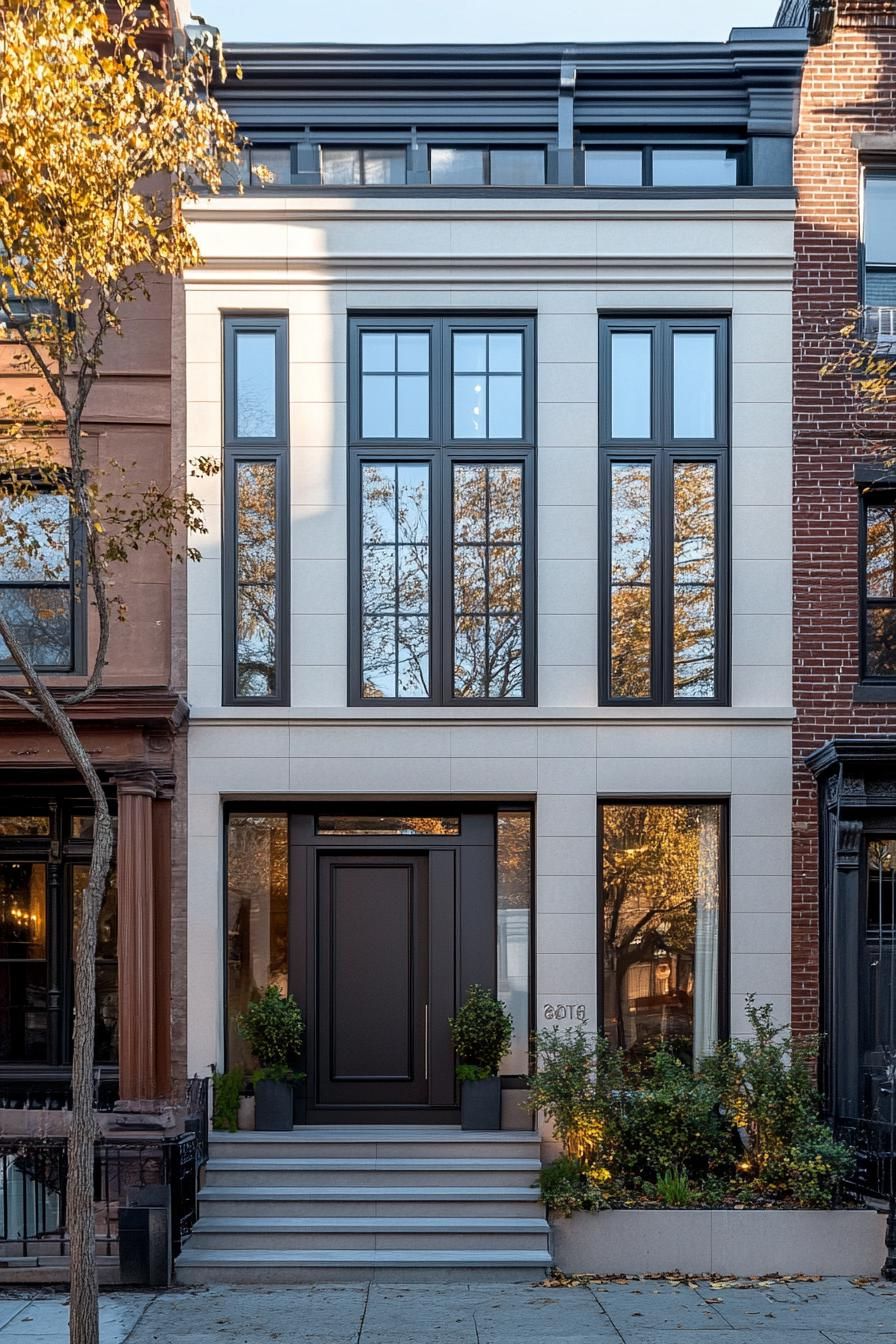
(395, 580)
(880, 586)
(488, 580)
(514, 855)
(660, 897)
(106, 1016)
(694, 580)
(257, 917)
(630, 580)
(256, 579)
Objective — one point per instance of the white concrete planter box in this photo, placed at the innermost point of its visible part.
(720, 1241)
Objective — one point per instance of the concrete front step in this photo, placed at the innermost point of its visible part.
(377, 1201)
(380, 1233)
(336, 1145)
(359, 1172)
(395, 1266)
(390, 1201)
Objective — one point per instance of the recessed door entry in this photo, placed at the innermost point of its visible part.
(373, 980)
(383, 933)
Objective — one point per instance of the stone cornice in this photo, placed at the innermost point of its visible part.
(155, 709)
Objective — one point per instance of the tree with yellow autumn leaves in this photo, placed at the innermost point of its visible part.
(105, 131)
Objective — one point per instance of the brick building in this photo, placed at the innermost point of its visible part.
(844, 628)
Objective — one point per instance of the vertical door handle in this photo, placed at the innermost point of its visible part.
(426, 1042)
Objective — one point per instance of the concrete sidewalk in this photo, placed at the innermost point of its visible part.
(831, 1311)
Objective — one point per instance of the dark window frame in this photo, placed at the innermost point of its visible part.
(735, 147)
(237, 451)
(869, 495)
(869, 171)
(77, 591)
(663, 452)
(486, 147)
(59, 852)
(363, 150)
(723, 803)
(441, 451)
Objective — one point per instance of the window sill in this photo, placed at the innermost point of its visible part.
(874, 693)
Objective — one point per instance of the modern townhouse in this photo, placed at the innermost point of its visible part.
(844, 975)
(490, 644)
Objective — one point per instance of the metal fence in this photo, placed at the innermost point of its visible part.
(34, 1171)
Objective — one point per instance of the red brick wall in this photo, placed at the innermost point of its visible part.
(849, 86)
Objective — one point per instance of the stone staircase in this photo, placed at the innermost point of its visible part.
(368, 1202)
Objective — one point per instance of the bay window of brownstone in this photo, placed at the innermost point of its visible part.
(45, 848)
(663, 424)
(442, 500)
(662, 925)
(256, 512)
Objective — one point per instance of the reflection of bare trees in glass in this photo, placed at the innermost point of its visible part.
(256, 572)
(630, 579)
(694, 577)
(395, 621)
(694, 564)
(35, 577)
(488, 580)
(655, 876)
(880, 588)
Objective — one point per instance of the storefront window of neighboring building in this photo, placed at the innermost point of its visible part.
(257, 916)
(256, 507)
(878, 583)
(662, 924)
(342, 165)
(672, 166)
(442, 425)
(45, 847)
(663, 482)
(514, 166)
(39, 580)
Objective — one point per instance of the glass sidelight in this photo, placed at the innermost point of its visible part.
(257, 915)
(514, 889)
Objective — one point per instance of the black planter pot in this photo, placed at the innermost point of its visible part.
(480, 1104)
(273, 1105)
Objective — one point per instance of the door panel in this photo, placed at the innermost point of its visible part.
(372, 978)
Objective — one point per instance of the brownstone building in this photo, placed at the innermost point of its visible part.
(134, 729)
(844, 585)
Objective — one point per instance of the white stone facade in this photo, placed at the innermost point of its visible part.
(567, 261)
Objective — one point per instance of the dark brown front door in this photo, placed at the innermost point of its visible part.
(372, 982)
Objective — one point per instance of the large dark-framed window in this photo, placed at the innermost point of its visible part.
(42, 580)
(675, 163)
(664, 519)
(255, 549)
(46, 841)
(879, 247)
(663, 923)
(877, 584)
(442, 509)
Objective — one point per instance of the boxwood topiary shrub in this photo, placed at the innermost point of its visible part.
(481, 1033)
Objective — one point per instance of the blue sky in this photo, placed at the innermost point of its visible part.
(483, 20)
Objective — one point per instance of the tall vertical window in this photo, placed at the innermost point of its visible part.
(442, 425)
(256, 507)
(514, 889)
(878, 583)
(40, 581)
(661, 924)
(257, 916)
(879, 243)
(664, 476)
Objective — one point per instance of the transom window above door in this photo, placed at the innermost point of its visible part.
(442, 424)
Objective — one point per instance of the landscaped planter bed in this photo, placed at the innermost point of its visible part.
(738, 1242)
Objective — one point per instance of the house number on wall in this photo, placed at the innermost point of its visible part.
(564, 1012)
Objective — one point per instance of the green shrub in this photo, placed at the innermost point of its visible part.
(673, 1189)
(567, 1185)
(226, 1090)
(579, 1086)
(481, 1033)
(272, 1026)
(766, 1085)
(672, 1122)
